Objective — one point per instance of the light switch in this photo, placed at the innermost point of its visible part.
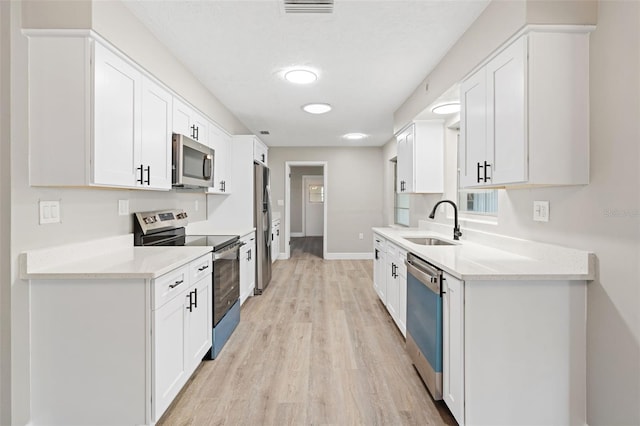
(541, 211)
(49, 212)
(280, 203)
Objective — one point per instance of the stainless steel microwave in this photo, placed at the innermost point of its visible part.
(192, 163)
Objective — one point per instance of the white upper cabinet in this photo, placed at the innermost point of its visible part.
(116, 115)
(421, 157)
(220, 141)
(189, 122)
(525, 114)
(260, 151)
(155, 146)
(95, 119)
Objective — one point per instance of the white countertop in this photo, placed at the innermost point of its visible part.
(470, 261)
(114, 258)
(206, 227)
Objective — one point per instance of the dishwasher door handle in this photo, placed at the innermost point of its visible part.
(430, 280)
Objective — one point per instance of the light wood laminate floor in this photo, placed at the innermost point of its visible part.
(317, 348)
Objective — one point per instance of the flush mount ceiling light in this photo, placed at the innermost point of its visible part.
(300, 76)
(449, 108)
(317, 108)
(354, 136)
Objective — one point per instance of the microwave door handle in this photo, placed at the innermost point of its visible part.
(206, 171)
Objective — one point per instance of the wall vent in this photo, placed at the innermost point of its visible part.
(308, 6)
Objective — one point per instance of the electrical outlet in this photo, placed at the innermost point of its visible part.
(49, 212)
(123, 207)
(361, 236)
(541, 211)
(280, 203)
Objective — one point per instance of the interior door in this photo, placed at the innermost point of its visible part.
(313, 188)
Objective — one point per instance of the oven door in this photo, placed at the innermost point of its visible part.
(226, 280)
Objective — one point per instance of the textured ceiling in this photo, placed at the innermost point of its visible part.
(370, 56)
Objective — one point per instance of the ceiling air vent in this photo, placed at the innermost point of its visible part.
(264, 132)
(308, 6)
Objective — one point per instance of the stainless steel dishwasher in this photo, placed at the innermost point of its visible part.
(424, 321)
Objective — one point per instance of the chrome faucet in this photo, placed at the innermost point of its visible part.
(456, 228)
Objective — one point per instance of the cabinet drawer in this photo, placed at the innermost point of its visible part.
(200, 268)
(170, 285)
(379, 243)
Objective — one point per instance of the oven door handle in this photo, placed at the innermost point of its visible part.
(217, 255)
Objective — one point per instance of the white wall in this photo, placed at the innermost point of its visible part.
(86, 213)
(5, 219)
(353, 193)
(604, 216)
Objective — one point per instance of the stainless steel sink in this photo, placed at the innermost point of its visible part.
(429, 241)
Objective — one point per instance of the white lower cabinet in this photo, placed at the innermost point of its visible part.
(453, 346)
(131, 342)
(275, 240)
(379, 267)
(390, 280)
(247, 266)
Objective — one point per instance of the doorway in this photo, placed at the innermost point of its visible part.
(306, 199)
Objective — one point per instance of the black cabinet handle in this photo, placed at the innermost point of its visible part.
(486, 166)
(262, 157)
(223, 186)
(195, 298)
(141, 170)
(376, 255)
(203, 268)
(190, 307)
(148, 170)
(278, 232)
(249, 255)
(478, 178)
(176, 284)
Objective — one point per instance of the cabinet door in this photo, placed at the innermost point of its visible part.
(199, 322)
(116, 135)
(453, 346)
(473, 130)
(260, 151)
(155, 147)
(405, 161)
(247, 268)
(170, 366)
(220, 142)
(379, 274)
(276, 243)
(393, 292)
(506, 114)
(181, 118)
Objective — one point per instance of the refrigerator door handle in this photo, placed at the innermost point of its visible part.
(267, 203)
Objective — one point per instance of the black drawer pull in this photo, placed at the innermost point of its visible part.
(177, 283)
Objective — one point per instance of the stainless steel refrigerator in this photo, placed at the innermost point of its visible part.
(262, 223)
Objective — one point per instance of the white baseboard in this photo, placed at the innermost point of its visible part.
(283, 256)
(297, 234)
(349, 256)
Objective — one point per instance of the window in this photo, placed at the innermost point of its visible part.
(400, 201)
(478, 201)
(316, 193)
